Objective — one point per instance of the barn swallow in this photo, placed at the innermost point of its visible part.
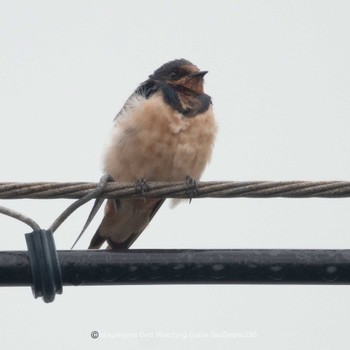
(164, 132)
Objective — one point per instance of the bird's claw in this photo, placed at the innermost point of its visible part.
(191, 187)
(141, 187)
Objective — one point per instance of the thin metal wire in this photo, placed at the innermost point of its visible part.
(223, 189)
(86, 191)
(67, 212)
(23, 218)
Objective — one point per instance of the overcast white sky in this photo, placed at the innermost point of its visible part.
(279, 76)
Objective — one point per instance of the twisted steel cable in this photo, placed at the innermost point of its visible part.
(218, 189)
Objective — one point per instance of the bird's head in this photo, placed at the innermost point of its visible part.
(181, 73)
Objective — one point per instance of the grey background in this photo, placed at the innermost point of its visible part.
(280, 82)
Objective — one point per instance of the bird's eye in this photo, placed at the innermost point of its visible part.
(173, 75)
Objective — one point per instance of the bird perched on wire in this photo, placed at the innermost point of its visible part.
(164, 132)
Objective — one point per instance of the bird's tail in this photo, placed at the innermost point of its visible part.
(124, 221)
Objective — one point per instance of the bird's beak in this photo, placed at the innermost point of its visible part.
(200, 74)
(193, 81)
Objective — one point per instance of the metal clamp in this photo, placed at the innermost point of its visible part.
(45, 267)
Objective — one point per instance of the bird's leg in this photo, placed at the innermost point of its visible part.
(191, 187)
(142, 187)
(117, 204)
